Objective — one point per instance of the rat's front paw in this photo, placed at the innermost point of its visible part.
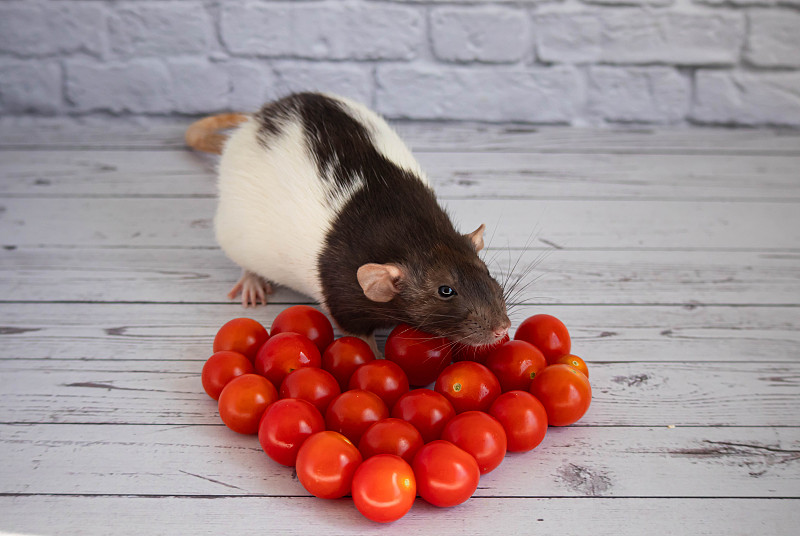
(254, 289)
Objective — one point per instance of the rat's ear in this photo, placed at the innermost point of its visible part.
(476, 237)
(379, 281)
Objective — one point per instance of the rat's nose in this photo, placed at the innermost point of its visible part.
(501, 332)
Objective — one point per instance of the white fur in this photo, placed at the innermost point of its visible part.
(274, 210)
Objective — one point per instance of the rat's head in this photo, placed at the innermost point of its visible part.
(447, 291)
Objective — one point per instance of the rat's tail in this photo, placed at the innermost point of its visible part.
(203, 135)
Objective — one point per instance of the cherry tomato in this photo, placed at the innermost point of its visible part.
(221, 368)
(446, 474)
(468, 386)
(243, 402)
(311, 384)
(352, 412)
(391, 436)
(515, 364)
(243, 335)
(326, 463)
(421, 355)
(306, 321)
(344, 356)
(283, 353)
(523, 417)
(284, 427)
(384, 488)
(462, 352)
(382, 377)
(574, 362)
(564, 392)
(547, 333)
(426, 410)
(481, 435)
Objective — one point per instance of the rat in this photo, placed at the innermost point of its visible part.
(318, 193)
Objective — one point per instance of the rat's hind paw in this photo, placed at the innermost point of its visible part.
(254, 289)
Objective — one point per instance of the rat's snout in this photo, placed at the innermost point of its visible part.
(502, 330)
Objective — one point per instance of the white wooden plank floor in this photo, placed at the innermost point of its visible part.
(673, 256)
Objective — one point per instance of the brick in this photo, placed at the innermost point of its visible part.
(250, 83)
(35, 28)
(630, 2)
(161, 29)
(638, 36)
(465, 2)
(27, 86)
(748, 2)
(541, 94)
(488, 34)
(742, 98)
(137, 86)
(198, 86)
(773, 38)
(353, 81)
(643, 94)
(363, 31)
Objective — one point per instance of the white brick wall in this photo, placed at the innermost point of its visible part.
(696, 62)
(493, 34)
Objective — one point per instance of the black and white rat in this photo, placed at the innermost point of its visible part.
(318, 193)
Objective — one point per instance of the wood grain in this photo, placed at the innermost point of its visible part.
(89, 331)
(544, 276)
(623, 394)
(519, 222)
(47, 134)
(301, 515)
(570, 462)
(455, 175)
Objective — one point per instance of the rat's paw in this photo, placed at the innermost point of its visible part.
(254, 289)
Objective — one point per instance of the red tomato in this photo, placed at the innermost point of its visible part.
(352, 412)
(311, 384)
(564, 392)
(515, 364)
(421, 355)
(306, 321)
(481, 435)
(446, 474)
(284, 427)
(283, 353)
(391, 436)
(426, 410)
(221, 368)
(468, 386)
(384, 488)
(382, 377)
(243, 335)
(243, 402)
(523, 417)
(326, 463)
(344, 356)
(547, 333)
(574, 362)
(462, 352)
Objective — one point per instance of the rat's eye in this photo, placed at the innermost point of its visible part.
(446, 292)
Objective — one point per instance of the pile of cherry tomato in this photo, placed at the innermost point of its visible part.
(351, 423)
